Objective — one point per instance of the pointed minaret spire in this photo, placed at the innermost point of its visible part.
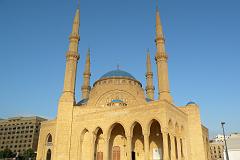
(160, 41)
(72, 58)
(149, 79)
(159, 32)
(161, 61)
(74, 36)
(76, 22)
(86, 78)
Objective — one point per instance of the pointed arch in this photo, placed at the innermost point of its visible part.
(155, 139)
(154, 120)
(137, 140)
(133, 125)
(97, 130)
(98, 144)
(49, 139)
(117, 141)
(84, 141)
(112, 126)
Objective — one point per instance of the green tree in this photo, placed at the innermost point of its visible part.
(1, 154)
(7, 153)
(29, 153)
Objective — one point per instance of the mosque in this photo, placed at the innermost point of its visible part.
(117, 120)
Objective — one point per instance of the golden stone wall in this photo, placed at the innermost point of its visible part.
(96, 129)
(48, 128)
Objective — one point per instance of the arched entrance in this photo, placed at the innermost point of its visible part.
(84, 145)
(137, 142)
(117, 142)
(98, 146)
(49, 154)
(155, 141)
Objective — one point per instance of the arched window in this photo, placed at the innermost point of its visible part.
(49, 140)
(49, 154)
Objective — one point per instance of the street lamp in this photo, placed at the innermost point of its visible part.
(226, 150)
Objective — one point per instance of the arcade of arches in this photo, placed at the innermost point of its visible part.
(149, 143)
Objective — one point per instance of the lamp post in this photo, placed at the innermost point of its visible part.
(226, 150)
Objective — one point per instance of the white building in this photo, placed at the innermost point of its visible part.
(219, 138)
(233, 144)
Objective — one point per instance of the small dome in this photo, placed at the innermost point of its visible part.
(117, 73)
(83, 101)
(148, 99)
(189, 103)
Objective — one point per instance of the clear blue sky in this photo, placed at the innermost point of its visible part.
(202, 40)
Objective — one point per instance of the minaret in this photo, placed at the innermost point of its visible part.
(86, 78)
(161, 61)
(149, 79)
(72, 58)
(63, 134)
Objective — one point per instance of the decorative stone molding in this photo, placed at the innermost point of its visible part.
(74, 36)
(160, 39)
(161, 56)
(117, 81)
(73, 55)
(149, 74)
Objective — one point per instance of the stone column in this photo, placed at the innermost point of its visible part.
(173, 148)
(106, 148)
(92, 149)
(146, 146)
(179, 148)
(165, 146)
(129, 147)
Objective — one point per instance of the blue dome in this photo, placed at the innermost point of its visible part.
(189, 103)
(117, 73)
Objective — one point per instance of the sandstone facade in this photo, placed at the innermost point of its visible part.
(116, 120)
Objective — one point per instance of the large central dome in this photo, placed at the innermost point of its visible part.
(117, 73)
(116, 88)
